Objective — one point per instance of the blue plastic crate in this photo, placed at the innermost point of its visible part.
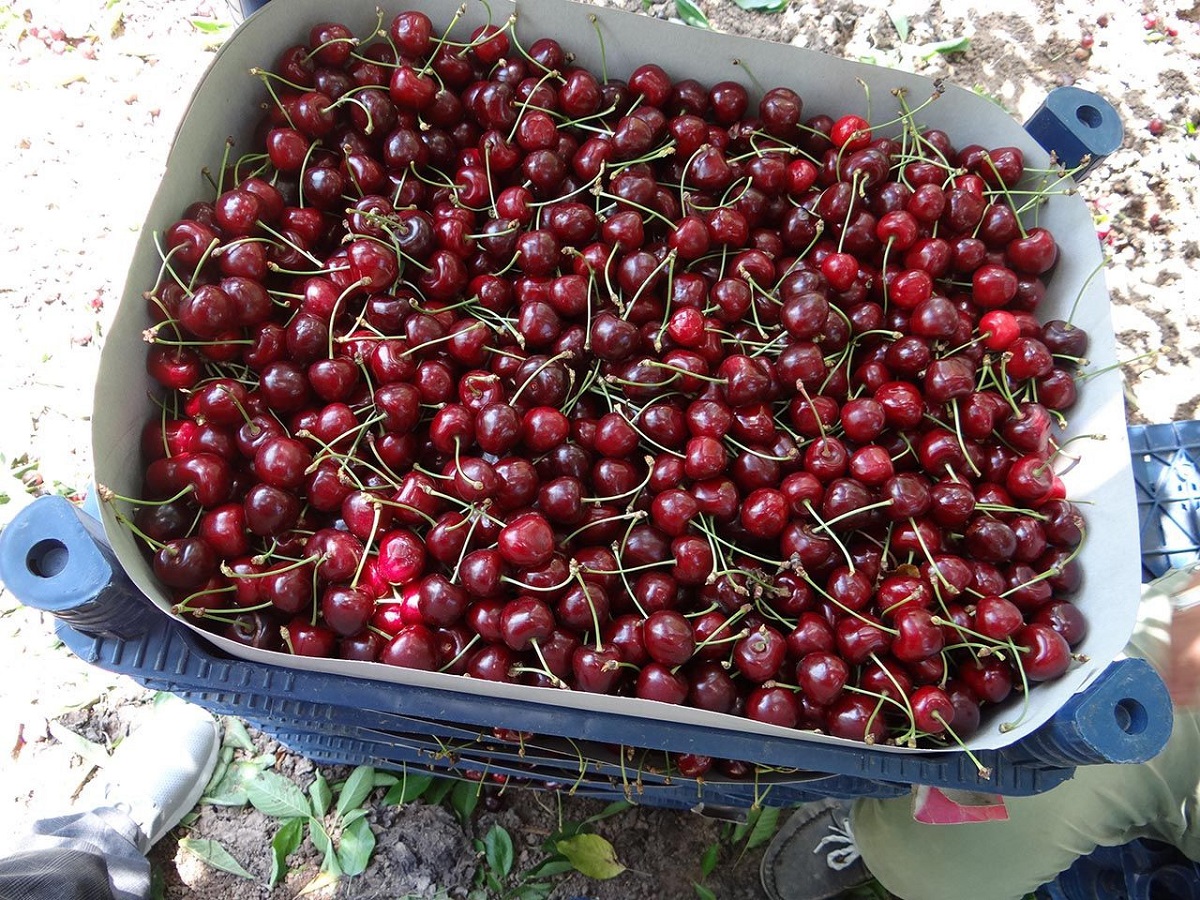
(1168, 494)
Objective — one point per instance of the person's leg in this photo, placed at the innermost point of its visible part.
(93, 855)
(1105, 805)
(61, 874)
(155, 777)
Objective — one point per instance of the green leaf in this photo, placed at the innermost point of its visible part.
(385, 779)
(708, 862)
(900, 23)
(464, 798)
(212, 853)
(325, 880)
(324, 844)
(408, 788)
(613, 809)
(286, 842)
(355, 847)
(224, 758)
(234, 734)
(703, 892)
(274, 795)
(953, 45)
(498, 851)
(437, 791)
(741, 829)
(691, 14)
(353, 816)
(548, 868)
(233, 787)
(591, 855)
(764, 828)
(356, 789)
(537, 890)
(320, 795)
(762, 6)
(207, 26)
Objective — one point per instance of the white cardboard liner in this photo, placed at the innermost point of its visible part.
(225, 105)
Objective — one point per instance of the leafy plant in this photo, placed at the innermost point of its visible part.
(573, 847)
(758, 828)
(763, 6)
(691, 14)
(906, 55)
(342, 835)
(213, 853)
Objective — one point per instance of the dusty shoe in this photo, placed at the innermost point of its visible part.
(814, 857)
(159, 772)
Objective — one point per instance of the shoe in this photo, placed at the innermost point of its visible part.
(158, 773)
(813, 856)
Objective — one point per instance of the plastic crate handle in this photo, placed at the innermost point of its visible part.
(1124, 716)
(1079, 127)
(54, 557)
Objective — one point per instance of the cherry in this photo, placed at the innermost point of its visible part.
(525, 621)
(773, 705)
(305, 639)
(988, 678)
(857, 718)
(185, 563)
(1065, 618)
(596, 669)
(759, 655)
(932, 709)
(668, 637)
(346, 610)
(413, 647)
(657, 682)
(918, 638)
(1045, 653)
(822, 676)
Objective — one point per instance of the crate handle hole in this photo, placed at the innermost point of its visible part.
(1131, 716)
(1089, 116)
(47, 558)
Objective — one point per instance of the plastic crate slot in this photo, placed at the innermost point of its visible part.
(1131, 716)
(47, 558)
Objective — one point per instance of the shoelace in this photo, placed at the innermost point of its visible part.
(843, 856)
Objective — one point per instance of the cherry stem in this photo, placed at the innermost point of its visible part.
(592, 606)
(1009, 726)
(461, 653)
(912, 718)
(741, 550)
(750, 74)
(600, 40)
(108, 496)
(824, 526)
(295, 564)
(984, 772)
(362, 560)
(566, 354)
(128, 523)
(474, 520)
(531, 587)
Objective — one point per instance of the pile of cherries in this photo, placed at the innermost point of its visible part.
(482, 364)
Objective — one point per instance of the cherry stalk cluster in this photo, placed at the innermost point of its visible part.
(481, 363)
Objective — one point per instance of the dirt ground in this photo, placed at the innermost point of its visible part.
(92, 92)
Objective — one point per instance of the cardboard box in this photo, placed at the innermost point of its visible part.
(225, 104)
